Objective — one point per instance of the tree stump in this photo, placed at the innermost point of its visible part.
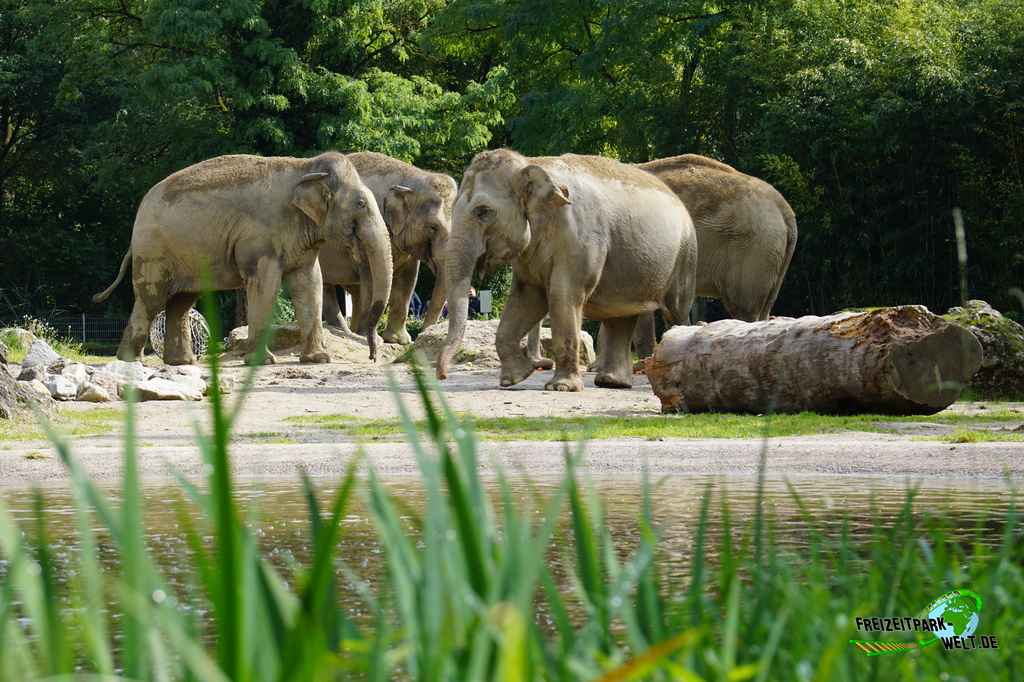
(900, 360)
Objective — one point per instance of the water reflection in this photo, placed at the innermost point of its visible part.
(277, 511)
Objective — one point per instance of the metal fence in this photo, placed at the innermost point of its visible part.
(84, 328)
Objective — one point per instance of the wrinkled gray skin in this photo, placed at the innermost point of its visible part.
(417, 209)
(586, 236)
(248, 222)
(746, 235)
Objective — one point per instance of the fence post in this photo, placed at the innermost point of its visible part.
(83, 328)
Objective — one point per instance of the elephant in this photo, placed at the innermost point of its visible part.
(585, 235)
(746, 235)
(248, 221)
(417, 209)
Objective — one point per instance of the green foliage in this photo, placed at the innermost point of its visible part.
(467, 576)
(874, 117)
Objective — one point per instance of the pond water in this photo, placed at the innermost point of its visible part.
(278, 512)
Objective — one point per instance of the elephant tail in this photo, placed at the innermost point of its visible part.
(791, 236)
(105, 294)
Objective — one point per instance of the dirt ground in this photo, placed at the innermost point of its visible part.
(166, 434)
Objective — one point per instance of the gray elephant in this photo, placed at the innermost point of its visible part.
(746, 235)
(417, 208)
(248, 222)
(585, 235)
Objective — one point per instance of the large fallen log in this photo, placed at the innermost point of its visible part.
(901, 360)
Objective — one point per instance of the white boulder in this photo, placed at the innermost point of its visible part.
(159, 388)
(40, 354)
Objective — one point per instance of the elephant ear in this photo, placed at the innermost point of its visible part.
(312, 196)
(394, 207)
(537, 185)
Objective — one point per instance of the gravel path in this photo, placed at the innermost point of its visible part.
(287, 390)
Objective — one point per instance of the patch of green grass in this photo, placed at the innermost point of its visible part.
(980, 436)
(269, 437)
(69, 424)
(655, 426)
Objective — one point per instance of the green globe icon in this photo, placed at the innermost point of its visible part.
(959, 612)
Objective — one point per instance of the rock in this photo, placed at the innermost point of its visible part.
(284, 336)
(587, 354)
(36, 373)
(23, 338)
(114, 376)
(4, 352)
(39, 387)
(188, 376)
(40, 354)
(61, 388)
(19, 398)
(1002, 340)
(93, 393)
(477, 345)
(76, 372)
(340, 347)
(159, 388)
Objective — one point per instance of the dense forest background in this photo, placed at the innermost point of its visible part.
(875, 118)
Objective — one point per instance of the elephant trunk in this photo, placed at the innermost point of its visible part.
(377, 251)
(460, 262)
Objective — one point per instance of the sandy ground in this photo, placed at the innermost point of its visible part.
(166, 431)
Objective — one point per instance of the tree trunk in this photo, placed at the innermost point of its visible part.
(901, 360)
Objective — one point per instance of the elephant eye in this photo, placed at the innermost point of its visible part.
(360, 202)
(483, 213)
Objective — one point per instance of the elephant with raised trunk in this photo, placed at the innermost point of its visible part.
(586, 236)
(243, 221)
(417, 209)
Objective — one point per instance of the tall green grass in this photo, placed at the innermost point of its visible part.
(471, 591)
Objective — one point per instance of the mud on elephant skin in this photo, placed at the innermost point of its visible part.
(247, 222)
(417, 209)
(586, 236)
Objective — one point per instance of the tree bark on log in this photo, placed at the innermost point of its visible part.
(900, 360)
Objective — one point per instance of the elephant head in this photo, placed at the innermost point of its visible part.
(338, 206)
(419, 216)
(501, 193)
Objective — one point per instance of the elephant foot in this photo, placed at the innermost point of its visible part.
(268, 359)
(318, 358)
(400, 337)
(514, 372)
(571, 383)
(184, 359)
(608, 380)
(543, 364)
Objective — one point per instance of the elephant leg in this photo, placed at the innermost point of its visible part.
(150, 285)
(402, 285)
(306, 286)
(643, 335)
(565, 305)
(525, 308)
(331, 310)
(614, 367)
(261, 292)
(133, 340)
(355, 293)
(533, 350)
(437, 301)
(178, 330)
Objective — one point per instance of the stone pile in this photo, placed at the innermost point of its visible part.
(44, 373)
